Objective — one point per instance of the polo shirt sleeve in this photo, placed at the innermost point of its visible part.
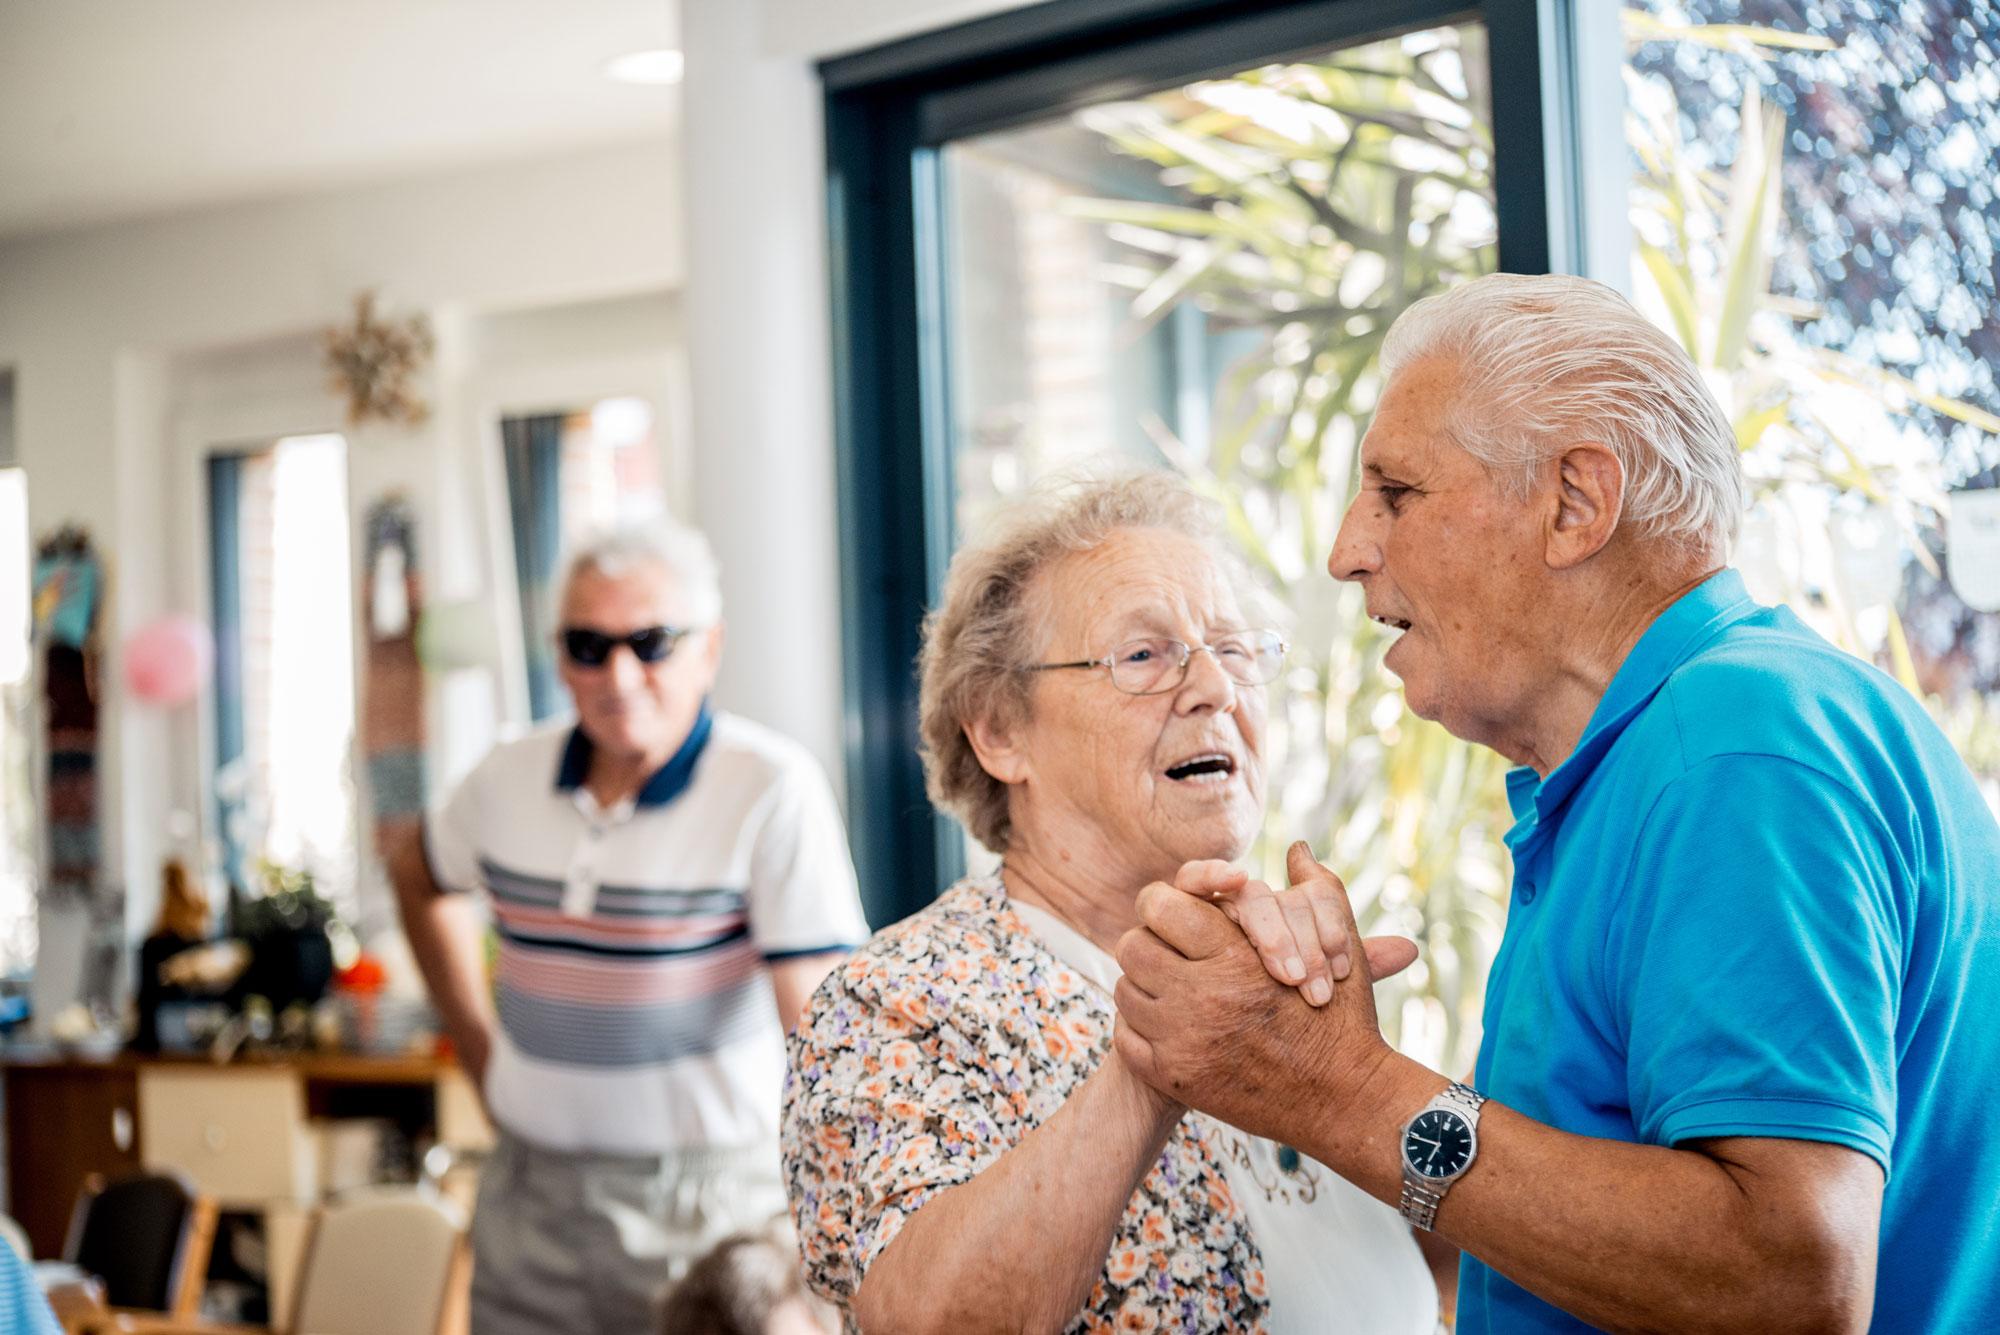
(451, 835)
(1758, 975)
(23, 1309)
(803, 899)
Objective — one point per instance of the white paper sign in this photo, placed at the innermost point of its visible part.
(1766, 557)
(1972, 553)
(1867, 559)
(390, 616)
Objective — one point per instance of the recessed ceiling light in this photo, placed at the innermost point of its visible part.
(647, 67)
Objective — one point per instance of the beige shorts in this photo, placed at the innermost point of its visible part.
(569, 1243)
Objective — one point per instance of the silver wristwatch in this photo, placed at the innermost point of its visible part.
(1439, 1145)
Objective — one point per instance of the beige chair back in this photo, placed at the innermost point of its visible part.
(381, 1263)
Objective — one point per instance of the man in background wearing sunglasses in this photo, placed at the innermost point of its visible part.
(668, 885)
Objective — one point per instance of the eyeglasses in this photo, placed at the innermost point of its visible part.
(591, 648)
(1155, 666)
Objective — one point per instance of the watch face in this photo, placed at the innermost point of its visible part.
(1438, 1143)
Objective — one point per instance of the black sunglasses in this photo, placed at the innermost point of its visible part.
(590, 648)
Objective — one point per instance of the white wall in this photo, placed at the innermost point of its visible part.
(759, 350)
(117, 338)
(815, 29)
(6, 416)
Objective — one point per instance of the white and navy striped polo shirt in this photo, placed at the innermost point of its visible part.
(636, 1012)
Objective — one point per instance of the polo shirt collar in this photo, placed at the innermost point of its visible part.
(1695, 618)
(667, 783)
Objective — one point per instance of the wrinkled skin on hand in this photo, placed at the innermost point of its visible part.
(1202, 1019)
(1301, 934)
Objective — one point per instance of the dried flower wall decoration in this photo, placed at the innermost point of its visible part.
(373, 362)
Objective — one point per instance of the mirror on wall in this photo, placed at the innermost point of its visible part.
(284, 683)
(19, 935)
(569, 474)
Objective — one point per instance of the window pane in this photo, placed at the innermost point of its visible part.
(570, 475)
(289, 795)
(1200, 279)
(611, 468)
(18, 932)
(1861, 373)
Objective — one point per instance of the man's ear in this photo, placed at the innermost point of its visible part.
(1590, 497)
(718, 635)
(998, 747)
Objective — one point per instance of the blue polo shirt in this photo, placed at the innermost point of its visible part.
(1762, 898)
(23, 1309)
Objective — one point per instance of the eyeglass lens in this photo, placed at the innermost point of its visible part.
(1142, 667)
(592, 648)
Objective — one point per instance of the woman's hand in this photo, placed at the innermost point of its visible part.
(1300, 933)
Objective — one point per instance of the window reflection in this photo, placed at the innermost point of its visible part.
(1199, 279)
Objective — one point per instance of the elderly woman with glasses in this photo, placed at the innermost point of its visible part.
(964, 1148)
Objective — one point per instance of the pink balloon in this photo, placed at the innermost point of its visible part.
(167, 659)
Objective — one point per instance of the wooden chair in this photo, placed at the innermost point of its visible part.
(77, 1303)
(384, 1263)
(389, 1262)
(146, 1238)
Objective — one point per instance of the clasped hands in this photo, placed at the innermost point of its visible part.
(1243, 1001)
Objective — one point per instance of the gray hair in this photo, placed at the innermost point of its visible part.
(683, 551)
(1548, 358)
(992, 623)
(740, 1285)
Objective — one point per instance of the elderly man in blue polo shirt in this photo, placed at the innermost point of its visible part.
(1739, 1069)
(668, 884)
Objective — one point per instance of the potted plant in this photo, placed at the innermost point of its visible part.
(288, 929)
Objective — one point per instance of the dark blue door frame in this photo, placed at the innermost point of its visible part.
(888, 113)
(225, 495)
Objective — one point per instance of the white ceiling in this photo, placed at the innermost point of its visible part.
(113, 109)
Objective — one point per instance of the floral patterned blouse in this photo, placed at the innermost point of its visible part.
(929, 1055)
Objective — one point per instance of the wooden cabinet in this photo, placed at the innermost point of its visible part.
(66, 1120)
(250, 1134)
(240, 1135)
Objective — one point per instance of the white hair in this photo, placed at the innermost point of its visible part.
(683, 551)
(1548, 360)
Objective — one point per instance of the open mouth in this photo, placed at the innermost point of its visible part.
(1208, 767)
(1392, 622)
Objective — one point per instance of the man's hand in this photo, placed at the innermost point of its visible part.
(1301, 935)
(473, 1049)
(1201, 1018)
(1743, 1233)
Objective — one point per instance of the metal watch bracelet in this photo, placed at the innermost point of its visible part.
(1419, 1206)
(1420, 1201)
(1464, 1095)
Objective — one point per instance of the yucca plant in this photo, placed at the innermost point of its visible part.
(1319, 200)
(1845, 483)
(1323, 198)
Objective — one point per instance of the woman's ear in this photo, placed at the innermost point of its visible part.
(998, 747)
